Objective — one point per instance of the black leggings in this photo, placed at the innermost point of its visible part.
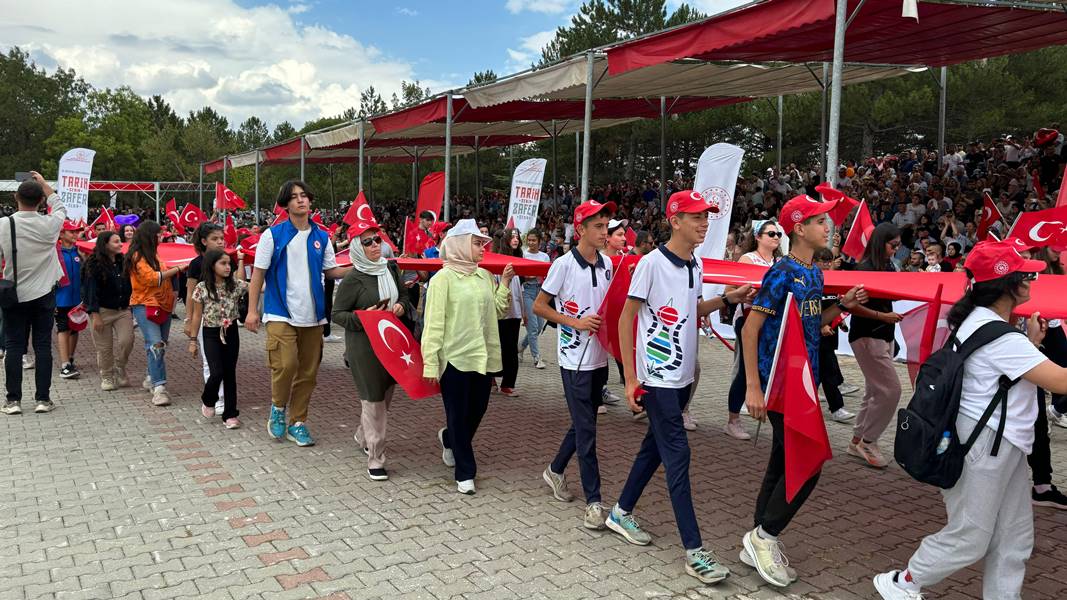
(1056, 350)
(509, 351)
(222, 360)
(328, 290)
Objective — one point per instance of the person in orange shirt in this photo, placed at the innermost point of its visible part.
(152, 302)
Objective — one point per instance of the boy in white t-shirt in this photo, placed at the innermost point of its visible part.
(578, 281)
(665, 298)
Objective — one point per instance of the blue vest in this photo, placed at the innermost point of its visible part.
(276, 277)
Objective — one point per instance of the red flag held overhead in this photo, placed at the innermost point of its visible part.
(1040, 228)
(358, 211)
(431, 195)
(225, 199)
(844, 204)
(229, 232)
(175, 217)
(990, 216)
(106, 218)
(192, 216)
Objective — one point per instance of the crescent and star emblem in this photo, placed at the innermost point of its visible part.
(384, 326)
(1035, 231)
(359, 213)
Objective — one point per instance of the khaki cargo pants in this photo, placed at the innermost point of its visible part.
(293, 354)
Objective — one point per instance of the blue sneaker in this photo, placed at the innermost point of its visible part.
(627, 526)
(276, 422)
(298, 432)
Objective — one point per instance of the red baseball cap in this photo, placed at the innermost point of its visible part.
(359, 227)
(590, 208)
(801, 208)
(992, 260)
(689, 201)
(69, 225)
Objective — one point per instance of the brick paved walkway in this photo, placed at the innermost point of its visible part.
(109, 497)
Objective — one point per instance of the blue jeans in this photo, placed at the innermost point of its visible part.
(582, 390)
(666, 442)
(534, 323)
(155, 344)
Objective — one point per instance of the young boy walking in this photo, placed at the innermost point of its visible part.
(578, 281)
(665, 297)
(804, 220)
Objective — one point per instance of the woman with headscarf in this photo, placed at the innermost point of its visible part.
(372, 284)
(461, 342)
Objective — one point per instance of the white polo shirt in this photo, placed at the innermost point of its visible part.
(579, 288)
(670, 288)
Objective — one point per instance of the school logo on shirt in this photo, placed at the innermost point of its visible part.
(664, 349)
(569, 339)
(317, 244)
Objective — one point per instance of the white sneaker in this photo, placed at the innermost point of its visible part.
(602, 410)
(558, 483)
(465, 487)
(332, 339)
(889, 590)
(446, 453)
(27, 361)
(746, 559)
(1055, 417)
(744, 410)
(688, 422)
(220, 407)
(736, 431)
(540, 364)
(842, 416)
(108, 384)
(160, 397)
(769, 560)
(848, 389)
(595, 517)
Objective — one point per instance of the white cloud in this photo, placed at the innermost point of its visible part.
(407, 12)
(529, 50)
(548, 7)
(240, 61)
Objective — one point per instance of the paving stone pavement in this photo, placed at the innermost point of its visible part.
(110, 497)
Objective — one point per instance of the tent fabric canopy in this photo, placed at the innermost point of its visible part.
(800, 31)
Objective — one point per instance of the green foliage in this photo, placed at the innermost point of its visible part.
(487, 76)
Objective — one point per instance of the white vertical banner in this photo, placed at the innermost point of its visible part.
(75, 170)
(716, 178)
(526, 194)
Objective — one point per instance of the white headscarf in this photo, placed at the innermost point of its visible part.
(457, 255)
(379, 268)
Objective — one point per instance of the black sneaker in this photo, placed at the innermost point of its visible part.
(44, 406)
(11, 408)
(377, 474)
(69, 371)
(1051, 499)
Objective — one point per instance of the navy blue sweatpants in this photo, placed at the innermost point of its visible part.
(582, 390)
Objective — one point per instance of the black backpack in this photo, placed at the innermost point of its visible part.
(933, 408)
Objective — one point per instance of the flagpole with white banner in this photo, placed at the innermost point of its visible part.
(526, 194)
(75, 171)
(716, 178)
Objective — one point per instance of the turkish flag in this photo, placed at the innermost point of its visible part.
(990, 216)
(631, 237)
(229, 232)
(358, 211)
(1040, 228)
(1061, 199)
(175, 216)
(225, 199)
(610, 310)
(278, 210)
(317, 219)
(791, 390)
(248, 245)
(856, 242)
(431, 195)
(106, 218)
(415, 239)
(843, 204)
(492, 262)
(281, 218)
(168, 252)
(925, 328)
(192, 216)
(398, 352)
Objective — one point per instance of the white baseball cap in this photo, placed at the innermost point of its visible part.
(463, 226)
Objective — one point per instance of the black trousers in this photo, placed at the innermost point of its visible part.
(222, 361)
(582, 390)
(773, 513)
(1040, 458)
(466, 398)
(1056, 350)
(830, 374)
(35, 317)
(509, 350)
(739, 385)
(328, 290)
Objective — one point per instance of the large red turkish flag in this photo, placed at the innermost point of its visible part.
(990, 216)
(398, 352)
(791, 391)
(1040, 228)
(856, 242)
(431, 195)
(225, 199)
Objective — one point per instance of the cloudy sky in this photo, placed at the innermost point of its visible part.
(289, 60)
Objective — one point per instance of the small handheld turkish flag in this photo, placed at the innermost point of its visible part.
(192, 216)
(856, 242)
(398, 352)
(106, 218)
(990, 216)
(358, 211)
(175, 216)
(225, 199)
(229, 232)
(844, 204)
(791, 391)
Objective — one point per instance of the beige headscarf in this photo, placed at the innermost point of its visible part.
(456, 254)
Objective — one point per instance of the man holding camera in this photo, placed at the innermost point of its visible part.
(29, 238)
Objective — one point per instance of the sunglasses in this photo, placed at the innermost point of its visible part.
(894, 244)
(367, 243)
(772, 234)
(1030, 276)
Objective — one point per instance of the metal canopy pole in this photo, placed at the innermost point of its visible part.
(577, 156)
(663, 152)
(941, 114)
(301, 158)
(414, 178)
(835, 91)
(200, 189)
(448, 154)
(477, 177)
(257, 187)
(157, 202)
(587, 124)
(555, 166)
(362, 129)
(780, 109)
(225, 162)
(822, 117)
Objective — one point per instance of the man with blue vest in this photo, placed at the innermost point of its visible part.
(291, 259)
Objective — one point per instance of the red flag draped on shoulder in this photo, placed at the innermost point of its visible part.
(990, 216)
(924, 328)
(856, 242)
(398, 351)
(192, 216)
(610, 310)
(431, 195)
(791, 391)
(225, 199)
(844, 204)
